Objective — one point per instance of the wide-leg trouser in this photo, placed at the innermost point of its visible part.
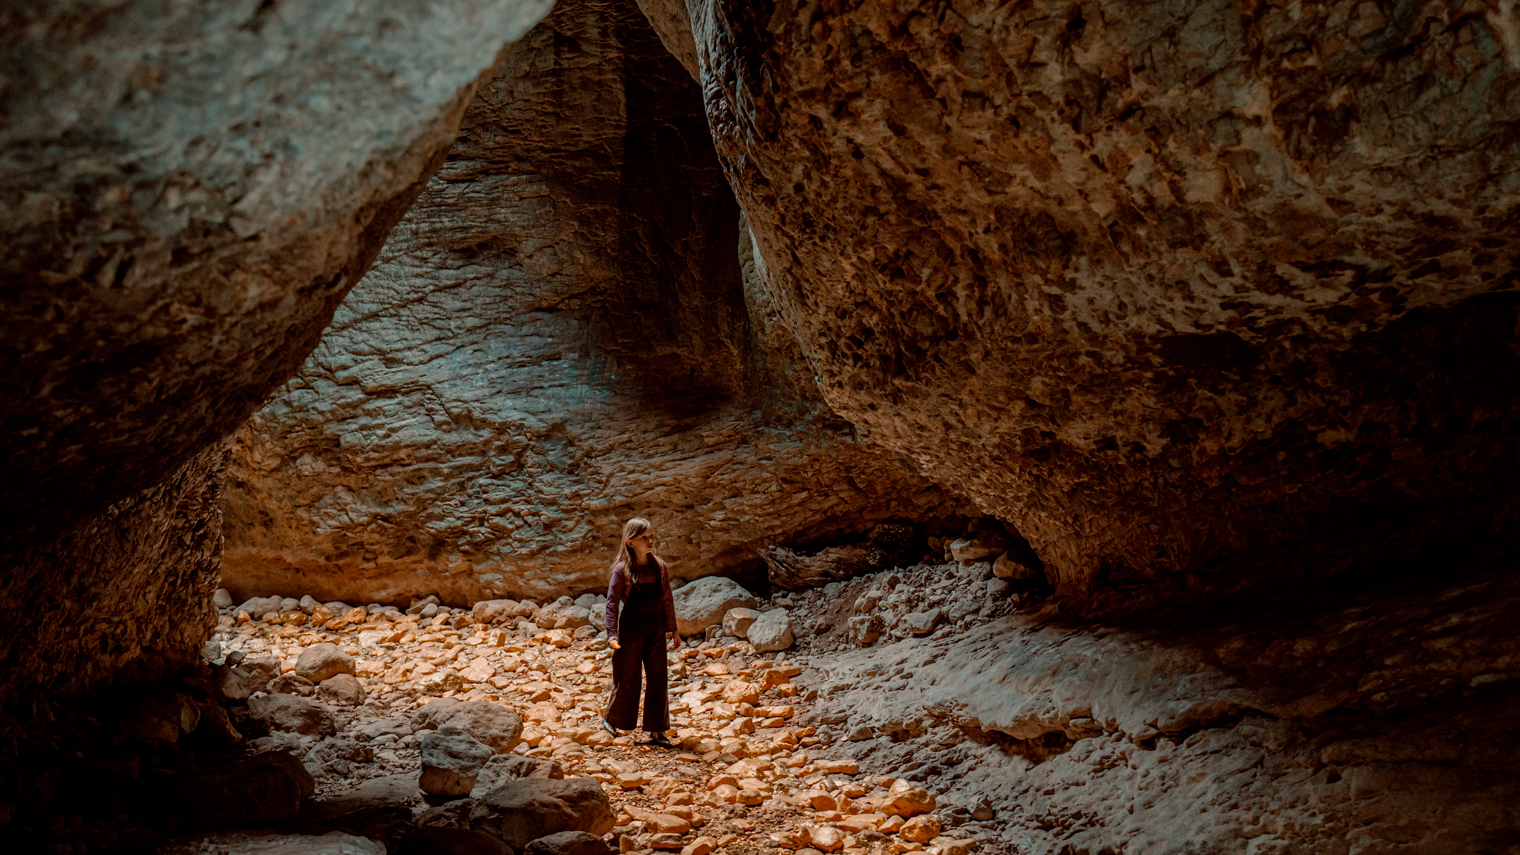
(642, 649)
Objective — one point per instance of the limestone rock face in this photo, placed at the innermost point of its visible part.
(1158, 286)
(186, 193)
(556, 338)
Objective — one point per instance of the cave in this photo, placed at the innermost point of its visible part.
(1072, 428)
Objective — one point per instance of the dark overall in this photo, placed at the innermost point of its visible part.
(642, 636)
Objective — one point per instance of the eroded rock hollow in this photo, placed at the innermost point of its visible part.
(565, 331)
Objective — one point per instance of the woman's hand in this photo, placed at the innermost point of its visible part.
(613, 643)
(675, 641)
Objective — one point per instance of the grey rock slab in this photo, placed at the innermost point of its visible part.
(923, 623)
(771, 631)
(397, 725)
(866, 629)
(291, 684)
(451, 761)
(509, 767)
(496, 725)
(524, 810)
(265, 789)
(237, 682)
(337, 755)
(373, 802)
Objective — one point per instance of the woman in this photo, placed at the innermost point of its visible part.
(640, 610)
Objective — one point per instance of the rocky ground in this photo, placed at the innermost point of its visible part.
(745, 776)
(943, 707)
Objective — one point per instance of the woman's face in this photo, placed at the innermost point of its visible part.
(642, 544)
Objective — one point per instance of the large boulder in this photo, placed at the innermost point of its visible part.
(293, 714)
(376, 807)
(451, 761)
(1198, 297)
(320, 661)
(493, 724)
(529, 808)
(771, 631)
(190, 190)
(342, 689)
(703, 603)
(509, 767)
(496, 427)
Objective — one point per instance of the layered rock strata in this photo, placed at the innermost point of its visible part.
(188, 192)
(557, 337)
(1196, 294)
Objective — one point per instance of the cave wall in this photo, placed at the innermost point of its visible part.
(1197, 296)
(187, 190)
(120, 595)
(566, 330)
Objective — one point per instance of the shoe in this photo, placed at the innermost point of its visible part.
(607, 726)
(659, 738)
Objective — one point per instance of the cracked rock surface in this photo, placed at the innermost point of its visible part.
(1175, 291)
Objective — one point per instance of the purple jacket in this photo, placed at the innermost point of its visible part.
(617, 591)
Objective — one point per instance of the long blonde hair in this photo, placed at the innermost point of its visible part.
(625, 556)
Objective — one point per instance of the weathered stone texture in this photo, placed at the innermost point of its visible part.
(187, 191)
(1171, 288)
(123, 594)
(1382, 724)
(555, 338)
